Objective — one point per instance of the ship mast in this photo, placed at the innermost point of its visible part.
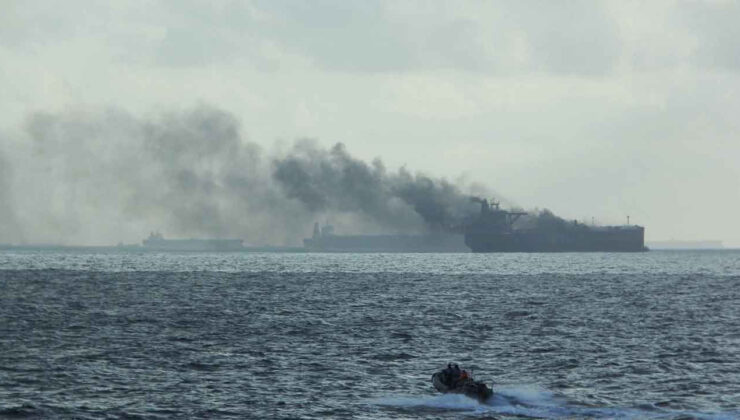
(493, 214)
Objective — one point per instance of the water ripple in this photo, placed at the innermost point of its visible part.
(316, 344)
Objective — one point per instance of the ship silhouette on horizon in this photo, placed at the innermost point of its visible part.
(493, 230)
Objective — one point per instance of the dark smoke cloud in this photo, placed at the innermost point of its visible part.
(547, 221)
(326, 180)
(111, 176)
(441, 204)
(108, 176)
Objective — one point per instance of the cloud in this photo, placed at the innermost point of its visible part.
(376, 36)
(372, 36)
(714, 28)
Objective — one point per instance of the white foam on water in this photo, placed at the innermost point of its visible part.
(526, 400)
(531, 401)
(445, 401)
(523, 401)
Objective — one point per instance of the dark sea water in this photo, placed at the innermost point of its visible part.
(126, 335)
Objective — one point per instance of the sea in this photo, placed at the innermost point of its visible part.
(102, 334)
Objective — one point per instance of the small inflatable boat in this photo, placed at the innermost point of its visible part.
(453, 380)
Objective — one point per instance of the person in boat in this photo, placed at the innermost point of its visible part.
(458, 379)
(453, 375)
(447, 374)
(454, 380)
(456, 372)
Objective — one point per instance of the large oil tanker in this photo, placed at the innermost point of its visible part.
(324, 240)
(157, 242)
(493, 231)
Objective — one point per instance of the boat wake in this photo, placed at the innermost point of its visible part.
(535, 403)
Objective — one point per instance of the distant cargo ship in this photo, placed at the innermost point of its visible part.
(324, 240)
(157, 242)
(493, 231)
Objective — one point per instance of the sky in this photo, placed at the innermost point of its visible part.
(594, 110)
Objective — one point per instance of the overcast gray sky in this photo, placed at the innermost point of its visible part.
(590, 109)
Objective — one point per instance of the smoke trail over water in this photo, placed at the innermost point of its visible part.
(99, 177)
(332, 179)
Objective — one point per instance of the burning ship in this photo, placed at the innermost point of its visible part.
(493, 230)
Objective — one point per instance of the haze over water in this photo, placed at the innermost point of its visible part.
(157, 335)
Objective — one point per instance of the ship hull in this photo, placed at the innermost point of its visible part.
(193, 245)
(612, 239)
(432, 243)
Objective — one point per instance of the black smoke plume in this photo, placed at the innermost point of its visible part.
(100, 177)
(327, 180)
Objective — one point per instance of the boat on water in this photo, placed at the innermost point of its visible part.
(494, 230)
(453, 380)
